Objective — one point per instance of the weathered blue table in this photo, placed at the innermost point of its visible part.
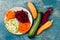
(52, 33)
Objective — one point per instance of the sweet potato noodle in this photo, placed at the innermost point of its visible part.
(22, 16)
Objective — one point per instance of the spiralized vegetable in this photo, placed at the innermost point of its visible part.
(12, 25)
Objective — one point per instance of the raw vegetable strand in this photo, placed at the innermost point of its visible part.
(10, 15)
(24, 27)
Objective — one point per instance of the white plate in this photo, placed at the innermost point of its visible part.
(29, 16)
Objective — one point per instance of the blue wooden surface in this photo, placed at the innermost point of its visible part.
(52, 33)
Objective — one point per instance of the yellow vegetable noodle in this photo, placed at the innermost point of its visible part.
(12, 25)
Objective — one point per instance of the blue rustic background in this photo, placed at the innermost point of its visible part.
(52, 33)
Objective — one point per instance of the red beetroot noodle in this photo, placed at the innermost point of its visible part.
(22, 16)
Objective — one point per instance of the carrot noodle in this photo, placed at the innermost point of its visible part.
(24, 27)
(10, 14)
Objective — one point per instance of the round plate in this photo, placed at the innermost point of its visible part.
(18, 9)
